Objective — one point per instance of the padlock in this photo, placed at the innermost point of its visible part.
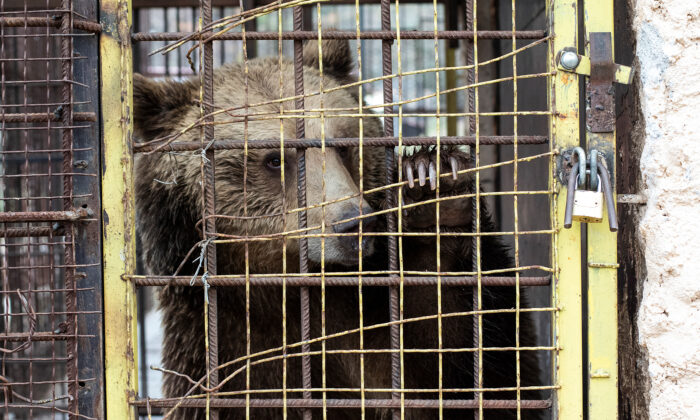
(588, 205)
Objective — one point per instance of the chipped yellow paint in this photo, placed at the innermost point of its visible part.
(566, 249)
(602, 255)
(117, 208)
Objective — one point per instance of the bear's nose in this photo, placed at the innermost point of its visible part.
(368, 222)
(350, 242)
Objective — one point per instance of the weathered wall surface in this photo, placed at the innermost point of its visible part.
(668, 49)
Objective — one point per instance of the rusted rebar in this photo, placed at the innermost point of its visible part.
(305, 35)
(28, 232)
(39, 22)
(389, 141)
(390, 166)
(44, 216)
(209, 194)
(348, 403)
(36, 117)
(344, 281)
(301, 201)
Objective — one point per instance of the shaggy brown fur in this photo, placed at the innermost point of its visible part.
(168, 212)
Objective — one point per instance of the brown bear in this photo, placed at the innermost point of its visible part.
(169, 206)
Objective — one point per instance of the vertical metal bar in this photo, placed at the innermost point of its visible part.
(566, 249)
(473, 129)
(361, 163)
(516, 228)
(301, 200)
(69, 251)
(284, 206)
(3, 145)
(399, 213)
(391, 217)
(469, 26)
(438, 266)
(602, 250)
(244, 44)
(5, 257)
(118, 213)
(31, 277)
(324, 378)
(166, 28)
(88, 247)
(209, 187)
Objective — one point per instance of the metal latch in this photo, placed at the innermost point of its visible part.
(600, 93)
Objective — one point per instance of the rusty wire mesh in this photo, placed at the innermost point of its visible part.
(405, 78)
(49, 236)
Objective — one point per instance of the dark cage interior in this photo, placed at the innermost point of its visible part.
(287, 179)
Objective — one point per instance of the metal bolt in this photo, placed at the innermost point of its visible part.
(569, 60)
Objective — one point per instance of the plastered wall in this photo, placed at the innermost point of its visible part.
(667, 34)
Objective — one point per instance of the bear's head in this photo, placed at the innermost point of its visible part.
(168, 184)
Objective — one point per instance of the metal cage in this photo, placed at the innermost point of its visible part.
(481, 77)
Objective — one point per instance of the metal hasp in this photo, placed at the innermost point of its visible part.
(603, 72)
(600, 93)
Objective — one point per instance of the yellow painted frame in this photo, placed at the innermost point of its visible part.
(118, 214)
(119, 227)
(602, 261)
(566, 247)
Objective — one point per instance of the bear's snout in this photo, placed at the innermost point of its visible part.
(350, 223)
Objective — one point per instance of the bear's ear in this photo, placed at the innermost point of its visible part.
(157, 105)
(337, 60)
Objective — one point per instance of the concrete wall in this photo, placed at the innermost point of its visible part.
(667, 36)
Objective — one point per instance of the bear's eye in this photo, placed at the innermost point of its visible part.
(273, 162)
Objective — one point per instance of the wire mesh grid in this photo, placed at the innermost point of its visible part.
(49, 238)
(395, 296)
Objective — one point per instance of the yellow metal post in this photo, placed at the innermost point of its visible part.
(564, 131)
(118, 208)
(602, 259)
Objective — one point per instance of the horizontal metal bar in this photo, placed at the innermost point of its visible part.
(57, 150)
(345, 403)
(137, 4)
(39, 22)
(30, 232)
(339, 142)
(41, 117)
(44, 216)
(338, 281)
(379, 35)
(38, 336)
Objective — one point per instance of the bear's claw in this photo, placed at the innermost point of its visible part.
(424, 162)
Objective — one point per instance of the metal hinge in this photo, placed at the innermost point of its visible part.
(602, 72)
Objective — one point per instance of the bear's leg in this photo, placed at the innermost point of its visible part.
(498, 329)
(181, 310)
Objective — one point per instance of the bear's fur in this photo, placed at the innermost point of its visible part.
(169, 206)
